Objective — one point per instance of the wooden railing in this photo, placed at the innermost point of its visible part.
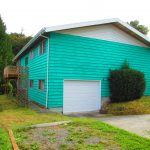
(11, 72)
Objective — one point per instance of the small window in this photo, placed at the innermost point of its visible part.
(42, 48)
(31, 83)
(26, 61)
(41, 84)
(31, 54)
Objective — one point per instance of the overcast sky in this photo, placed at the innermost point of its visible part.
(32, 15)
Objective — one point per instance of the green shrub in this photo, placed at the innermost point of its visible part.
(126, 84)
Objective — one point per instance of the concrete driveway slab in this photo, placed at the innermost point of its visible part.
(139, 124)
(91, 114)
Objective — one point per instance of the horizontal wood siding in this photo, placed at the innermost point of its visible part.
(37, 71)
(81, 58)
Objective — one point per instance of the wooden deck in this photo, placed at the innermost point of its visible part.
(11, 72)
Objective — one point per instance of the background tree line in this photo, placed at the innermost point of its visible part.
(11, 44)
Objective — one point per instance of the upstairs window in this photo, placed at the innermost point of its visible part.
(41, 84)
(31, 83)
(31, 54)
(26, 61)
(42, 48)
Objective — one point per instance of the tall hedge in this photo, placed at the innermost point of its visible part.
(126, 84)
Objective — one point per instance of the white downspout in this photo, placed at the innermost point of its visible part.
(47, 69)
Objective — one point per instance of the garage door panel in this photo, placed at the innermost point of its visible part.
(80, 96)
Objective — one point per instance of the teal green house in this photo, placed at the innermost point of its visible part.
(69, 64)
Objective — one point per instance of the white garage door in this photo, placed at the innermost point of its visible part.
(81, 96)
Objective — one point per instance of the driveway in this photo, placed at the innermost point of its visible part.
(139, 124)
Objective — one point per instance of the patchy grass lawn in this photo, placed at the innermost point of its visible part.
(4, 140)
(82, 133)
(12, 115)
(136, 107)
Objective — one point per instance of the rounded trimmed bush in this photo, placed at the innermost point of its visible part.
(126, 85)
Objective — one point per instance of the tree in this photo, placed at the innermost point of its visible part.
(143, 29)
(6, 53)
(18, 40)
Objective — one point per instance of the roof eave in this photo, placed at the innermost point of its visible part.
(82, 24)
(29, 43)
(134, 32)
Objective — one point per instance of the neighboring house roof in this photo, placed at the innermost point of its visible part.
(115, 21)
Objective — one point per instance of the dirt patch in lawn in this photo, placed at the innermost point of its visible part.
(47, 138)
(62, 137)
